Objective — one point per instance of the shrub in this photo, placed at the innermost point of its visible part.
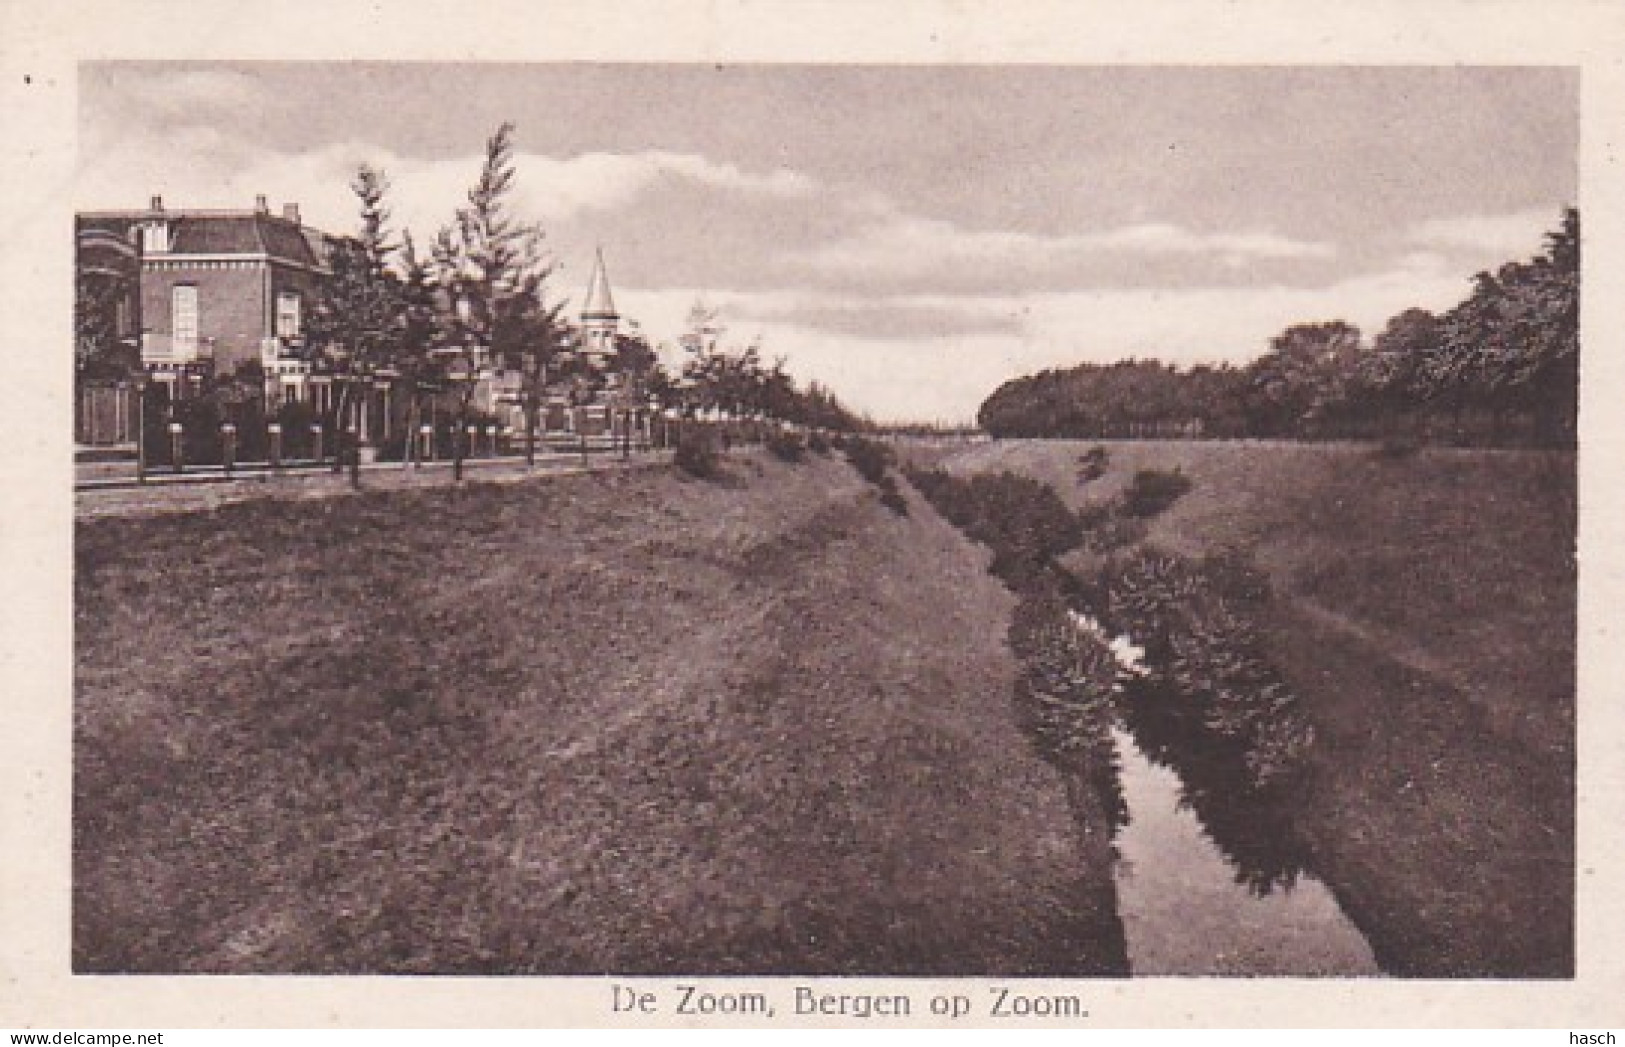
(1153, 490)
(787, 445)
(1022, 516)
(200, 436)
(1230, 573)
(1092, 464)
(868, 457)
(698, 454)
(1242, 702)
(871, 460)
(1022, 520)
(1146, 593)
(891, 497)
(947, 493)
(297, 439)
(1108, 532)
(1195, 621)
(1065, 694)
(818, 443)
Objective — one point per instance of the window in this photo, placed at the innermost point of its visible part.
(184, 322)
(155, 238)
(287, 314)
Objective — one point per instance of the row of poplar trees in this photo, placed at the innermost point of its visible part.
(429, 317)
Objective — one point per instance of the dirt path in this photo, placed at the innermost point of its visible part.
(169, 494)
(1281, 564)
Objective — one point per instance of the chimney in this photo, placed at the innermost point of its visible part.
(157, 203)
(291, 213)
(260, 206)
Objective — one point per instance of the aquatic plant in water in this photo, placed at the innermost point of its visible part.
(1209, 657)
(1065, 692)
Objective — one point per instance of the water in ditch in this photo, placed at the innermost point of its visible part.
(1189, 909)
(1211, 878)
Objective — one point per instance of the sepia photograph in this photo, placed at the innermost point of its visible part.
(587, 518)
(788, 537)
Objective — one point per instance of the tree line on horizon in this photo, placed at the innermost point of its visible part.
(1501, 366)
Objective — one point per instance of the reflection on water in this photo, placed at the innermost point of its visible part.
(1251, 824)
(1212, 874)
(1186, 911)
(1182, 771)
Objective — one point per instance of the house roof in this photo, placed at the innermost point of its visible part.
(103, 224)
(99, 250)
(280, 239)
(223, 233)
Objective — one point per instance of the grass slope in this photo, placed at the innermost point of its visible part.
(629, 723)
(1425, 611)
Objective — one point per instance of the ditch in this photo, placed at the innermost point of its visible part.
(1144, 686)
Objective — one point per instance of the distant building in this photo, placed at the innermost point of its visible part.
(218, 290)
(600, 323)
(568, 404)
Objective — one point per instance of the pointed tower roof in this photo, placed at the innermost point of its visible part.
(599, 305)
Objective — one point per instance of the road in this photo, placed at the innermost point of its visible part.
(111, 489)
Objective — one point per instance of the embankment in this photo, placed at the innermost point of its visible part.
(1423, 610)
(632, 723)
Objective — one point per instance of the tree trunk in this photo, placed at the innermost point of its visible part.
(457, 426)
(413, 456)
(459, 432)
(530, 430)
(338, 427)
(357, 407)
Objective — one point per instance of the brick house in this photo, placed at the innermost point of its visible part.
(221, 289)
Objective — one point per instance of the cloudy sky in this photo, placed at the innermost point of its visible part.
(909, 235)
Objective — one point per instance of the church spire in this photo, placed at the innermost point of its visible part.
(600, 305)
(600, 323)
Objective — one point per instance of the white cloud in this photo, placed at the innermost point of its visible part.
(1510, 236)
(198, 167)
(1162, 238)
(563, 187)
(946, 376)
(906, 246)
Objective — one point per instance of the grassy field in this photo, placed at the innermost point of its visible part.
(1424, 609)
(629, 723)
(636, 722)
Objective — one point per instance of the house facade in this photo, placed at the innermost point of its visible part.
(218, 290)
